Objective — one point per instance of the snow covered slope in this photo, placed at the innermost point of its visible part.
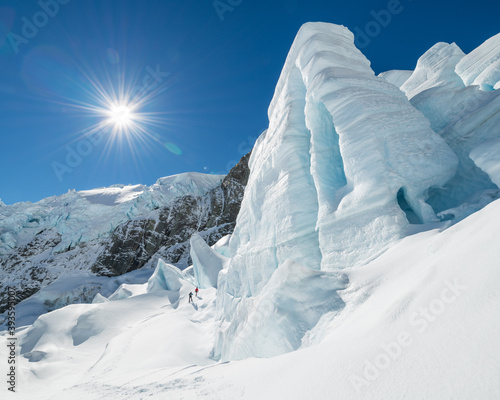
(421, 321)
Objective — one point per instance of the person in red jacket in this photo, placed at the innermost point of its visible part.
(196, 292)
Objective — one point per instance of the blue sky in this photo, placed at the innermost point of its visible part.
(205, 72)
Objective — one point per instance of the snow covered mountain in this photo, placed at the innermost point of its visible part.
(111, 231)
(363, 263)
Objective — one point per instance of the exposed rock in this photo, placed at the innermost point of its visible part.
(139, 242)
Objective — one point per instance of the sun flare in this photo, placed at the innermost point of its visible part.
(121, 116)
(121, 113)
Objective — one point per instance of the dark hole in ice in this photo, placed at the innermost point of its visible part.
(410, 214)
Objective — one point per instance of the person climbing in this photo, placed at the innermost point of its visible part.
(196, 291)
(190, 297)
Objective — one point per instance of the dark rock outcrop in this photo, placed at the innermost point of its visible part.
(139, 242)
(25, 260)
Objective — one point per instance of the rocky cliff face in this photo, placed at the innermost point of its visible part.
(139, 242)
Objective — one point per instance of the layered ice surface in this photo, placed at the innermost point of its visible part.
(207, 262)
(482, 66)
(487, 157)
(444, 88)
(396, 76)
(436, 68)
(323, 190)
(276, 321)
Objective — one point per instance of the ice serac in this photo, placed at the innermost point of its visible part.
(344, 142)
(433, 84)
(464, 116)
(396, 76)
(165, 277)
(482, 65)
(222, 246)
(435, 68)
(207, 262)
(99, 299)
(487, 157)
(325, 177)
(385, 144)
(291, 303)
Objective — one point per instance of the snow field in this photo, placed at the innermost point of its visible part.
(420, 321)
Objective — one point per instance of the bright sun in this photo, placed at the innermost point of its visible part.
(121, 116)
(118, 113)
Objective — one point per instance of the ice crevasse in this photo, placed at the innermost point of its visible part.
(341, 145)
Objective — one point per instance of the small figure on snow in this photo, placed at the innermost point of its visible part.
(190, 297)
(196, 291)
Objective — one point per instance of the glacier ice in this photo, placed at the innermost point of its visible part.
(464, 116)
(165, 277)
(123, 292)
(80, 217)
(142, 345)
(396, 76)
(343, 141)
(222, 246)
(482, 65)
(325, 177)
(276, 320)
(487, 157)
(207, 263)
(99, 298)
(436, 68)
